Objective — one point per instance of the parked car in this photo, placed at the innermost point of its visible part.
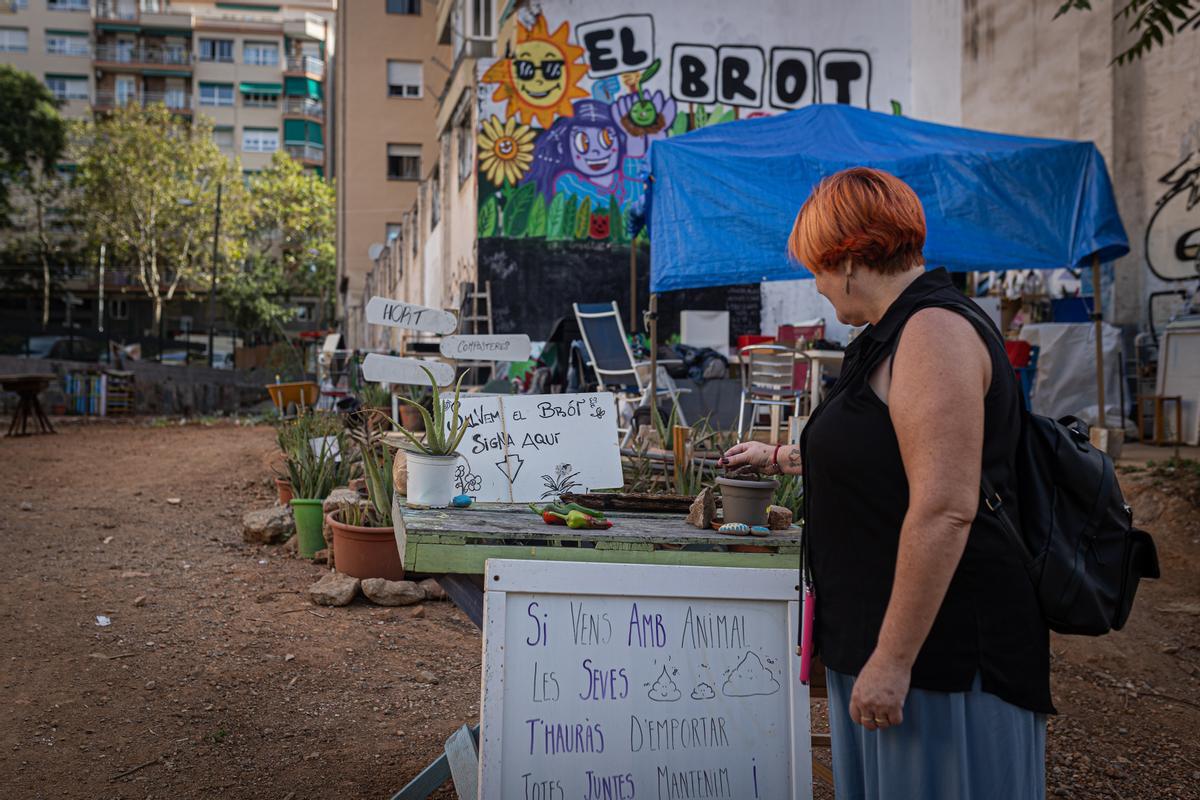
(64, 347)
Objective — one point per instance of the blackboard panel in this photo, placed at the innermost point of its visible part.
(534, 282)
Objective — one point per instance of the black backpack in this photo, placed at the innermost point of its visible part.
(1075, 532)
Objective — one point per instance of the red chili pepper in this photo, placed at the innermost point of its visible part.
(550, 518)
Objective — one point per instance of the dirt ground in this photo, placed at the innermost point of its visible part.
(218, 679)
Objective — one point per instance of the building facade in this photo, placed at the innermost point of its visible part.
(390, 72)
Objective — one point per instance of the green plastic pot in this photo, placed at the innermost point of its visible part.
(309, 519)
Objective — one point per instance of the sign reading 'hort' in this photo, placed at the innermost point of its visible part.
(636, 681)
(382, 311)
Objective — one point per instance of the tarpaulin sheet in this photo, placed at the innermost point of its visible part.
(723, 199)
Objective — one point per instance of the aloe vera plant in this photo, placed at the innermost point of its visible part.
(440, 440)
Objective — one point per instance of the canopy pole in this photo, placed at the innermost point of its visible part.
(652, 324)
(1098, 318)
(633, 288)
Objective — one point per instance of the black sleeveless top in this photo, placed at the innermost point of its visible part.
(856, 494)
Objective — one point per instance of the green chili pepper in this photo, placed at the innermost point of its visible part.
(577, 520)
(591, 512)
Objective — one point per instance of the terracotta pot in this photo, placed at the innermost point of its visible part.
(746, 501)
(284, 487)
(411, 418)
(365, 552)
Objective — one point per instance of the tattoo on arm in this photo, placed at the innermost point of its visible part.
(793, 457)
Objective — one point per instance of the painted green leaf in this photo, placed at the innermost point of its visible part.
(537, 218)
(650, 72)
(569, 217)
(680, 125)
(556, 218)
(583, 218)
(488, 218)
(616, 222)
(516, 213)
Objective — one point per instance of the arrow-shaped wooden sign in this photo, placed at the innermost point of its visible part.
(488, 347)
(393, 369)
(393, 313)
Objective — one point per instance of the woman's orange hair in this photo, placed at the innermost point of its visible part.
(867, 215)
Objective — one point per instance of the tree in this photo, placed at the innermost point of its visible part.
(1154, 21)
(147, 186)
(289, 244)
(33, 134)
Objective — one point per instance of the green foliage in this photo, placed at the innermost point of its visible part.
(33, 135)
(537, 218)
(1154, 21)
(489, 218)
(438, 440)
(314, 471)
(557, 226)
(377, 471)
(518, 210)
(790, 495)
(373, 395)
(583, 218)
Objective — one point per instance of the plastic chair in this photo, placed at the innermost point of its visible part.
(769, 381)
(612, 361)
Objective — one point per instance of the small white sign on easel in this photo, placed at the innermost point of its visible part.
(397, 314)
(487, 347)
(520, 448)
(394, 369)
(634, 680)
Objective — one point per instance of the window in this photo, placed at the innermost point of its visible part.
(17, 5)
(464, 140)
(257, 100)
(223, 138)
(67, 5)
(62, 43)
(216, 94)
(395, 230)
(404, 7)
(481, 19)
(435, 198)
(404, 78)
(216, 50)
(404, 162)
(260, 140)
(118, 309)
(68, 87)
(14, 40)
(263, 54)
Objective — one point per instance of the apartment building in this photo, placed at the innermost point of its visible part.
(390, 73)
(258, 70)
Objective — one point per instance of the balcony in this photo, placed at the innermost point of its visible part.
(307, 65)
(143, 56)
(303, 107)
(105, 9)
(179, 102)
(306, 153)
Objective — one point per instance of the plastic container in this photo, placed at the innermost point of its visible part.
(430, 480)
(309, 521)
(746, 501)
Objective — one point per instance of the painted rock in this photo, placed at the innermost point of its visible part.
(736, 528)
(760, 530)
(462, 501)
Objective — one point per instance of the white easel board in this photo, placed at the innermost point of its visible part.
(646, 681)
(520, 448)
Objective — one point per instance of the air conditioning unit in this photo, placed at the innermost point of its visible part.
(479, 48)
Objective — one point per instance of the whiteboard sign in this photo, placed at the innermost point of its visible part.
(395, 314)
(393, 369)
(641, 681)
(520, 448)
(489, 347)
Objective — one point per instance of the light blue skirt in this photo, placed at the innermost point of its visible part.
(951, 746)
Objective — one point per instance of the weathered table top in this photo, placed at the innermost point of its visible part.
(460, 541)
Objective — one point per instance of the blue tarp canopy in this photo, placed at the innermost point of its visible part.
(723, 199)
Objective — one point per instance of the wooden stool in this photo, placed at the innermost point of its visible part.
(1160, 402)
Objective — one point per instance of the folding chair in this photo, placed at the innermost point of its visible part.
(612, 362)
(769, 380)
(801, 335)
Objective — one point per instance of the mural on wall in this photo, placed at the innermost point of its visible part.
(1173, 233)
(568, 119)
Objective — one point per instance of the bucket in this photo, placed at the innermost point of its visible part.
(746, 501)
(310, 518)
(430, 480)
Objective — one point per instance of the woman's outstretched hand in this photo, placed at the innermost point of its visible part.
(748, 454)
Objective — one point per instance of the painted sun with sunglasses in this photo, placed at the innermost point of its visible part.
(541, 79)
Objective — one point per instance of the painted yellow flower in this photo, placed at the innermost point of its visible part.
(505, 150)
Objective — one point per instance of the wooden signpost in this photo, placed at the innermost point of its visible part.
(393, 369)
(487, 347)
(395, 314)
(627, 680)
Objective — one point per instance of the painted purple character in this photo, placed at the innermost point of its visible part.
(587, 145)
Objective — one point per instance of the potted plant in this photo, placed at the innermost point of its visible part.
(364, 542)
(314, 467)
(410, 415)
(431, 460)
(745, 496)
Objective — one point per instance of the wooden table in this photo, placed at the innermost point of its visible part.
(28, 386)
(817, 361)
(455, 544)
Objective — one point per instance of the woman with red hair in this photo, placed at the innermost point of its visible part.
(936, 653)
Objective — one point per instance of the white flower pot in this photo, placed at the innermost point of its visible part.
(430, 479)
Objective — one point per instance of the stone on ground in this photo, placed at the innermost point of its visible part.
(268, 526)
(335, 589)
(392, 593)
(433, 590)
